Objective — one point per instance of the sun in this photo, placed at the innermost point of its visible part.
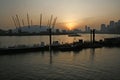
(70, 25)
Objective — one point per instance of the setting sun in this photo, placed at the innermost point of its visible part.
(70, 26)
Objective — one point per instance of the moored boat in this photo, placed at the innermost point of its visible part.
(74, 35)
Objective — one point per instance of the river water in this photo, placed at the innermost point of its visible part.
(87, 64)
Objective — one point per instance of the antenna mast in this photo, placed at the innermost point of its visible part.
(31, 23)
(50, 21)
(28, 20)
(14, 21)
(40, 20)
(23, 22)
(18, 21)
(54, 22)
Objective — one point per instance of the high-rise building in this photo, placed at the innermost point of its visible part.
(118, 22)
(103, 28)
(57, 30)
(87, 29)
(112, 24)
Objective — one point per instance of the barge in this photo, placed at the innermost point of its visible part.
(56, 46)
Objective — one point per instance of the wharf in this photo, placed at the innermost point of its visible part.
(75, 46)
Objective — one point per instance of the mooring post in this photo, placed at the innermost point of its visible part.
(93, 36)
(50, 47)
(50, 34)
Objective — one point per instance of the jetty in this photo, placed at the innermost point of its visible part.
(56, 46)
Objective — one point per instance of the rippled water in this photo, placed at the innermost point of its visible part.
(87, 64)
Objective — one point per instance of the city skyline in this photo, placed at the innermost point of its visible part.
(71, 13)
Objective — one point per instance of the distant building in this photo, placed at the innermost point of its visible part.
(103, 28)
(112, 24)
(108, 26)
(112, 27)
(77, 30)
(87, 29)
(64, 31)
(57, 30)
(118, 22)
(32, 29)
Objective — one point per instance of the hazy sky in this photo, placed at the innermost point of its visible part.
(69, 12)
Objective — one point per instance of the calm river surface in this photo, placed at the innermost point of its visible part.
(87, 64)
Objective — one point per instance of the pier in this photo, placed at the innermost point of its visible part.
(56, 46)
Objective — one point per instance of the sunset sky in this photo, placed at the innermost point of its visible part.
(70, 13)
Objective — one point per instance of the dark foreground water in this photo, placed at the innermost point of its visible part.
(88, 64)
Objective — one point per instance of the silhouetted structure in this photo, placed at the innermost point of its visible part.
(91, 39)
(113, 27)
(28, 20)
(18, 22)
(40, 20)
(50, 35)
(92, 35)
(87, 29)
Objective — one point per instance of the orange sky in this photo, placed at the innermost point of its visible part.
(71, 13)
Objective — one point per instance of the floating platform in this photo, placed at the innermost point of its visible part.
(75, 46)
(74, 35)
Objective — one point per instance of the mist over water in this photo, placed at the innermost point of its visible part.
(86, 64)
